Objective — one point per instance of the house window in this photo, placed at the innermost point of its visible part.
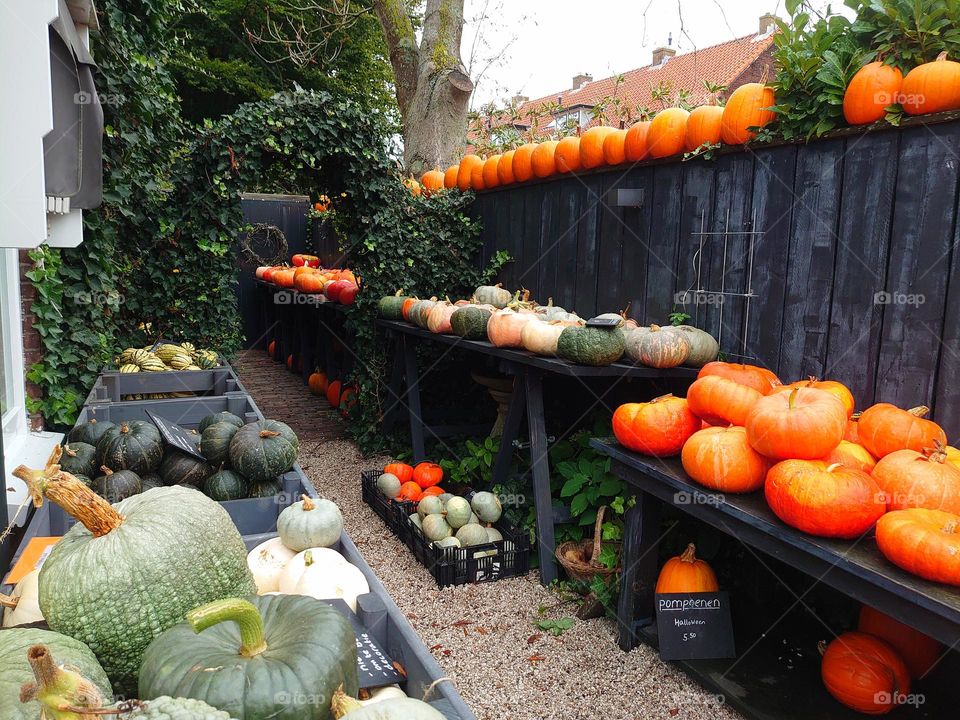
(13, 415)
(571, 119)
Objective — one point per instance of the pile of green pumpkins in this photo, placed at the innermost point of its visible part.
(242, 460)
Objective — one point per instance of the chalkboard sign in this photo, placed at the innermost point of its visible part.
(374, 667)
(694, 626)
(176, 436)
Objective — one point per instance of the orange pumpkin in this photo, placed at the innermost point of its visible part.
(668, 133)
(523, 162)
(413, 186)
(874, 87)
(953, 455)
(432, 490)
(348, 399)
(542, 160)
(703, 126)
(804, 423)
(410, 491)
(722, 459)
(427, 474)
(746, 108)
(614, 148)
(851, 455)
(721, 401)
(824, 500)
(432, 181)
(333, 393)
(884, 428)
(317, 382)
(923, 542)
(920, 652)
(659, 427)
(635, 145)
(477, 180)
(760, 379)
(505, 168)
(566, 156)
(309, 282)
(465, 171)
(841, 391)
(491, 177)
(505, 327)
(284, 277)
(685, 573)
(272, 349)
(450, 177)
(591, 146)
(924, 480)
(864, 673)
(402, 471)
(931, 87)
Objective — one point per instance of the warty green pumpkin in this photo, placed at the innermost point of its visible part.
(310, 522)
(79, 458)
(15, 669)
(262, 450)
(590, 345)
(263, 657)
(215, 442)
(179, 468)
(90, 431)
(125, 573)
(169, 708)
(224, 416)
(390, 307)
(132, 446)
(226, 485)
(116, 486)
(470, 322)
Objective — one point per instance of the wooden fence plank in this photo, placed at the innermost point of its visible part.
(565, 291)
(696, 215)
(549, 232)
(529, 272)
(945, 406)
(636, 240)
(665, 209)
(588, 243)
(610, 291)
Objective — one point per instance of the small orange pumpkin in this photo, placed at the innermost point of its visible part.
(804, 423)
(923, 542)
(685, 573)
(884, 428)
(923, 480)
(747, 107)
(317, 382)
(703, 126)
(635, 145)
(333, 394)
(432, 490)
(668, 133)
(659, 427)
(427, 474)
(505, 168)
(450, 177)
(591, 146)
(477, 181)
(759, 378)
(874, 87)
(542, 160)
(931, 87)
(523, 162)
(614, 148)
(491, 177)
(864, 673)
(721, 401)
(413, 186)
(721, 459)
(410, 491)
(432, 181)
(566, 155)
(839, 390)
(465, 171)
(402, 471)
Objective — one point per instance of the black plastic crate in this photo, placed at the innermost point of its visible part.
(387, 509)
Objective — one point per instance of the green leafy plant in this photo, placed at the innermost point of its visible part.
(554, 627)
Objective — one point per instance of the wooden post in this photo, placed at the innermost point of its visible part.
(639, 562)
(541, 477)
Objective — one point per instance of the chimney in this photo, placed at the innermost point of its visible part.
(518, 100)
(662, 54)
(768, 23)
(580, 80)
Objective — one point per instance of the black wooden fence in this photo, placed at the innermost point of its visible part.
(854, 276)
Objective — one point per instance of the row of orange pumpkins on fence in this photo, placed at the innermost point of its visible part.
(928, 88)
(338, 285)
(824, 470)
(671, 132)
(870, 670)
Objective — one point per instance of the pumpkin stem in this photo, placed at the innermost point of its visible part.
(79, 501)
(342, 704)
(69, 451)
(308, 503)
(308, 558)
(822, 647)
(951, 527)
(668, 396)
(268, 433)
(919, 411)
(654, 328)
(942, 56)
(791, 401)
(58, 689)
(937, 454)
(8, 601)
(124, 428)
(690, 554)
(105, 470)
(833, 466)
(244, 613)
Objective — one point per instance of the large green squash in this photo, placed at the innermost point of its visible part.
(390, 307)
(169, 708)
(590, 345)
(265, 657)
(227, 417)
(470, 322)
(179, 468)
(263, 450)
(226, 485)
(15, 669)
(79, 458)
(131, 446)
(125, 573)
(215, 442)
(90, 431)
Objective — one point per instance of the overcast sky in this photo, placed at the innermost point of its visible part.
(550, 41)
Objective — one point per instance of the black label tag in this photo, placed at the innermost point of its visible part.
(176, 436)
(694, 626)
(374, 667)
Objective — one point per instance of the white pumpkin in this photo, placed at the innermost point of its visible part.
(541, 338)
(267, 561)
(328, 582)
(319, 557)
(389, 692)
(27, 595)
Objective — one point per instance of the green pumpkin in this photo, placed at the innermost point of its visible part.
(15, 669)
(150, 481)
(390, 307)
(419, 311)
(227, 417)
(470, 323)
(704, 347)
(309, 523)
(125, 573)
(169, 708)
(90, 432)
(79, 458)
(131, 446)
(263, 450)
(265, 488)
(179, 468)
(487, 506)
(215, 442)
(458, 512)
(493, 295)
(346, 707)
(226, 485)
(256, 657)
(590, 345)
(116, 486)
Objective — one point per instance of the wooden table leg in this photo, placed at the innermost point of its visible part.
(511, 430)
(413, 400)
(635, 608)
(395, 388)
(542, 498)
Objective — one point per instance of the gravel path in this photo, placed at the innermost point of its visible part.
(482, 635)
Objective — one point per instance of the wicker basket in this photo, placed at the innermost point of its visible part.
(579, 559)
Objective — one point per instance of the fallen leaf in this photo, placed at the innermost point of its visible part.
(536, 658)
(461, 623)
(674, 712)
(436, 647)
(533, 638)
(480, 630)
(447, 652)
(399, 668)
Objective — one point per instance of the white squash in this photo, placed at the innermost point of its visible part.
(326, 581)
(267, 561)
(541, 338)
(319, 557)
(389, 692)
(27, 609)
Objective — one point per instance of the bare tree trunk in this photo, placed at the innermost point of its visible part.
(432, 86)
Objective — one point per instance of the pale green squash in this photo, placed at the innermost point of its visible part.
(310, 522)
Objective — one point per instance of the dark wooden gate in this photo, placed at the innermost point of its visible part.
(854, 272)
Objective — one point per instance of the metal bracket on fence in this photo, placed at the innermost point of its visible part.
(525, 444)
